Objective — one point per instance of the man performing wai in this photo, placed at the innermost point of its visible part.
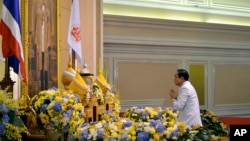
(186, 100)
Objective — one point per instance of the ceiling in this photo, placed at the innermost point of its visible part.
(235, 12)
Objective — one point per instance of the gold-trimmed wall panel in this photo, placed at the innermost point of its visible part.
(24, 27)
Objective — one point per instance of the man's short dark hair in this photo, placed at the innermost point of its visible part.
(183, 73)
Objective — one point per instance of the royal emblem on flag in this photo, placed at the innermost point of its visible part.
(75, 33)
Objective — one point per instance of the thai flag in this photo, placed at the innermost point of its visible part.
(74, 34)
(11, 37)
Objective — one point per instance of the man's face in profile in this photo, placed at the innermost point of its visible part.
(178, 81)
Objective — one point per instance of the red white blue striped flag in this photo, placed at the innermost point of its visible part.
(11, 37)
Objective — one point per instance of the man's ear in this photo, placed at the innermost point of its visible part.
(182, 78)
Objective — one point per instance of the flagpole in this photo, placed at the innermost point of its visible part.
(73, 54)
(73, 59)
(7, 82)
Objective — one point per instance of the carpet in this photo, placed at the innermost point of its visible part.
(235, 120)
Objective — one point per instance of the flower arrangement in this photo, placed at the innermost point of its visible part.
(214, 125)
(145, 113)
(114, 128)
(213, 129)
(112, 95)
(58, 110)
(106, 129)
(11, 125)
(96, 91)
(151, 124)
(114, 98)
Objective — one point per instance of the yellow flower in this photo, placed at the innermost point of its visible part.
(15, 132)
(131, 129)
(58, 99)
(182, 128)
(214, 119)
(165, 124)
(117, 107)
(133, 133)
(133, 138)
(171, 123)
(106, 134)
(170, 129)
(147, 108)
(152, 130)
(91, 129)
(167, 132)
(214, 138)
(224, 126)
(129, 136)
(223, 139)
(44, 118)
(118, 124)
(71, 101)
(156, 137)
(153, 114)
(114, 135)
(78, 106)
(196, 126)
(134, 115)
(174, 138)
(106, 117)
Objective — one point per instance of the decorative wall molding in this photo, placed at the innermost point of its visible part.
(227, 7)
(144, 49)
(130, 30)
(232, 110)
(231, 5)
(175, 42)
(141, 23)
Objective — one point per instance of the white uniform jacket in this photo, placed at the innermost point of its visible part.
(187, 104)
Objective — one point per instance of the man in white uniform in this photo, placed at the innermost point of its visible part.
(186, 100)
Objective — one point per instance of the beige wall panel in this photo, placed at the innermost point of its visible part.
(88, 32)
(231, 84)
(141, 81)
